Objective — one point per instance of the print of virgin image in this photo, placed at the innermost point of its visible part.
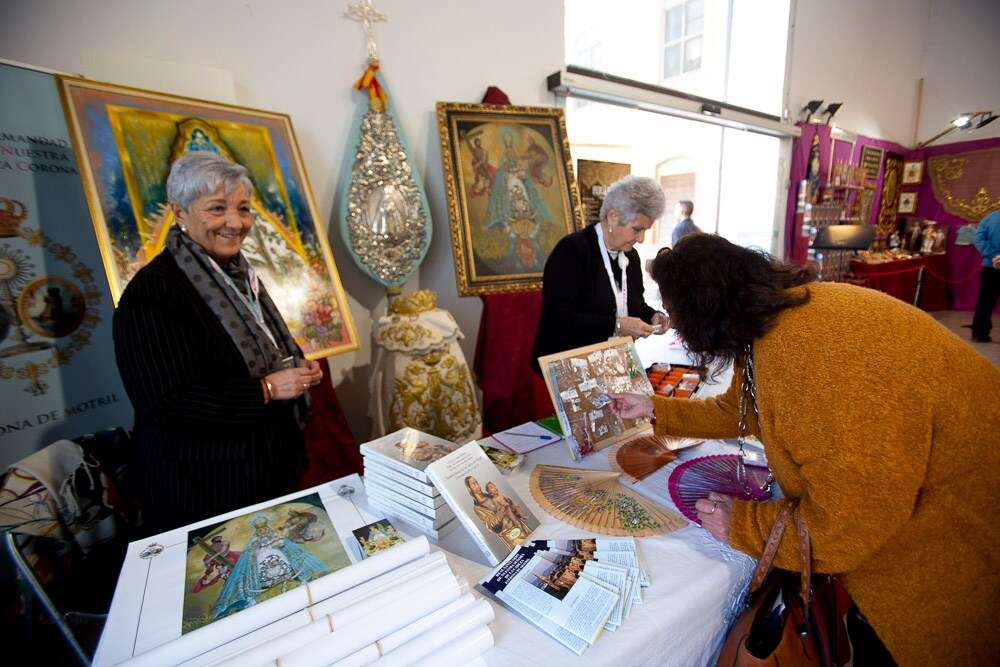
(236, 564)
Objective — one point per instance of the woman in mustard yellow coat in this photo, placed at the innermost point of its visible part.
(885, 425)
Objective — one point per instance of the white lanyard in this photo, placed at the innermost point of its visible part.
(621, 295)
(253, 303)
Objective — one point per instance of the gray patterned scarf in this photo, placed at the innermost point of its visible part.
(261, 354)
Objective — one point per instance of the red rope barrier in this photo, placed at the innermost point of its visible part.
(917, 268)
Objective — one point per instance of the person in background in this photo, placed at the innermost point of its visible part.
(685, 225)
(218, 385)
(895, 499)
(592, 284)
(987, 240)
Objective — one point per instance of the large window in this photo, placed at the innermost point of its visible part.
(727, 50)
(682, 37)
(733, 177)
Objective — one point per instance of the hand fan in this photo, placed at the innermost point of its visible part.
(639, 457)
(596, 501)
(696, 478)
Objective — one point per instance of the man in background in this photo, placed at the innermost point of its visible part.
(685, 225)
(987, 241)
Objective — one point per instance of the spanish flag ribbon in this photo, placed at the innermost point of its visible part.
(368, 80)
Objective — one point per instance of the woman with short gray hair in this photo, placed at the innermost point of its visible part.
(592, 286)
(218, 384)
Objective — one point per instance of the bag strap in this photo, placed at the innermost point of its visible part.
(771, 545)
(805, 557)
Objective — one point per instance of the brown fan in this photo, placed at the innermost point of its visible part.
(639, 457)
(596, 501)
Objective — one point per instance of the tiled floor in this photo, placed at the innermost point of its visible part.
(958, 321)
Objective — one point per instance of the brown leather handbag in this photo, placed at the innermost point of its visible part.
(791, 618)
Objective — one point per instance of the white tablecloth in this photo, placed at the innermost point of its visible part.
(696, 582)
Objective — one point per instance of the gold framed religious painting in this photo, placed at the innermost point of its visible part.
(126, 140)
(511, 192)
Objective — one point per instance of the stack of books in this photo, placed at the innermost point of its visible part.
(397, 484)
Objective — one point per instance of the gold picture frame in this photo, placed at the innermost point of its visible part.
(907, 203)
(125, 140)
(511, 192)
(913, 172)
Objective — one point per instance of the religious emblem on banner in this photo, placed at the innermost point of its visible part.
(40, 314)
(384, 213)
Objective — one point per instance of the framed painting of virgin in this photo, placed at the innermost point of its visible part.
(511, 192)
(126, 140)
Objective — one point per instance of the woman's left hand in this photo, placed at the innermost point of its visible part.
(716, 515)
(315, 370)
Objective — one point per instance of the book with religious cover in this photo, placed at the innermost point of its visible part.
(373, 468)
(408, 451)
(496, 518)
(374, 477)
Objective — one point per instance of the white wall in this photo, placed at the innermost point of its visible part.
(871, 54)
(960, 66)
(301, 57)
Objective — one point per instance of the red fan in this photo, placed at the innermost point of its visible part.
(695, 479)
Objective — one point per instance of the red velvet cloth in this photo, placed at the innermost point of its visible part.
(899, 279)
(503, 358)
(331, 448)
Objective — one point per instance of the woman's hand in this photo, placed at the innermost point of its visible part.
(631, 406)
(661, 322)
(716, 515)
(315, 370)
(634, 327)
(293, 382)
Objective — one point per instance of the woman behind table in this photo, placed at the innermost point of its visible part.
(880, 421)
(592, 285)
(218, 384)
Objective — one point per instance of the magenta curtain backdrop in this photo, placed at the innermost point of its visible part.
(964, 260)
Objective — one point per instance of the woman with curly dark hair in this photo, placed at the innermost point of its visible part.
(881, 422)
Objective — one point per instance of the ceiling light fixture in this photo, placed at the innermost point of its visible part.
(812, 108)
(969, 120)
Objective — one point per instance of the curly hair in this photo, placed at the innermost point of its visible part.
(722, 296)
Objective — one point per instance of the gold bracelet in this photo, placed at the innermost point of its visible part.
(268, 390)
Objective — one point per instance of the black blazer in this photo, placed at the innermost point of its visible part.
(205, 442)
(578, 304)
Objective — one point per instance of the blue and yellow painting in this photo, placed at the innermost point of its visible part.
(127, 139)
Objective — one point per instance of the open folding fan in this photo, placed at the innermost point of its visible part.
(596, 501)
(639, 457)
(696, 478)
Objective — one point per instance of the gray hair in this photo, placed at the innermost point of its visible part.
(687, 206)
(201, 173)
(633, 195)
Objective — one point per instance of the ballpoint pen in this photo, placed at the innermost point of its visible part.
(533, 435)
